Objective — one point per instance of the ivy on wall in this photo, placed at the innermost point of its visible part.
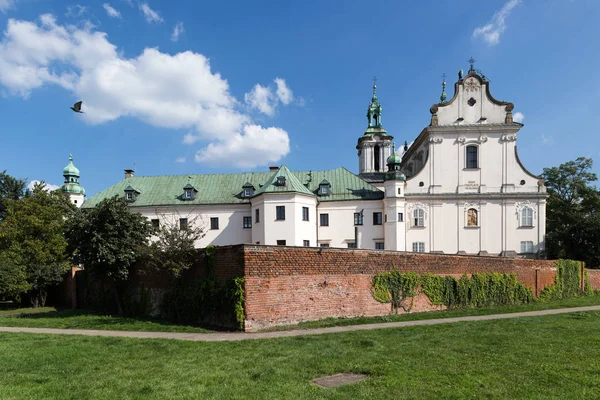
(480, 290)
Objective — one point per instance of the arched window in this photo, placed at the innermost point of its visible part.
(472, 217)
(472, 159)
(526, 216)
(375, 119)
(419, 217)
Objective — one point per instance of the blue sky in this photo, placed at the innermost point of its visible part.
(191, 87)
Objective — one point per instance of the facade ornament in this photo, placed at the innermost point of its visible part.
(434, 117)
(417, 206)
(509, 116)
(471, 85)
(483, 139)
(461, 139)
(472, 205)
(509, 138)
(519, 206)
(435, 139)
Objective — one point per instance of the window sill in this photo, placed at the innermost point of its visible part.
(472, 227)
(417, 227)
(471, 169)
(247, 227)
(526, 227)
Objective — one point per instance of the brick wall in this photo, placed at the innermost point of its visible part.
(594, 275)
(287, 285)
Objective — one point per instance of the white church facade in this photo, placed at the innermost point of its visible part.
(459, 189)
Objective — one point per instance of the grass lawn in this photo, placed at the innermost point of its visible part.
(80, 319)
(49, 317)
(550, 357)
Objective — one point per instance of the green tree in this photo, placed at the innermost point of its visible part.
(573, 219)
(173, 248)
(32, 243)
(108, 240)
(11, 188)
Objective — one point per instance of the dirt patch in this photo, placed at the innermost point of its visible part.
(337, 380)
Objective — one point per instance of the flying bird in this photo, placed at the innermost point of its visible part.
(77, 107)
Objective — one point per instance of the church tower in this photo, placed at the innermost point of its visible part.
(375, 145)
(71, 185)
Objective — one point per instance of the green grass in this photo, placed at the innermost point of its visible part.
(550, 357)
(592, 300)
(81, 319)
(48, 317)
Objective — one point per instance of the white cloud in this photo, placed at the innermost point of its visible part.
(284, 93)
(49, 187)
(178, 91)
(75, 10)
(254, 146)
(6, 5)
(111, 11)
(150, 14)
(490, 33)
(262, 99)
(177, 31)
(518, 117)
(547, 140)
(180, 160)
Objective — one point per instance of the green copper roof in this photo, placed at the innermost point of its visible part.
(227, 188)
(70, 169)
(291, 185)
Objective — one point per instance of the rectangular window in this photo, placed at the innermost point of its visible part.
(129, 196)
(418, 247)
(257, 216)
(527, 247)
(324, 245)
(280, 213)
(281, 243)
(214, 223)
(400, 217)
(183, 223)
(379, 246)
(419, 217)
(304, 213)
(189, 194)
(377, 218)
(351, 245)
(472, 157)
(358, 219)
(324, 219)
(155, 223)
(527, 217)
(306, 243)
(248, 222)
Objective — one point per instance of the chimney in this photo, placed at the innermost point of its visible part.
(273, 168)
(128, 173)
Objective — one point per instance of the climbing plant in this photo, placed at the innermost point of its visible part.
(567, 282)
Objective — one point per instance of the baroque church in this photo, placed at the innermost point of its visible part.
(460, 188)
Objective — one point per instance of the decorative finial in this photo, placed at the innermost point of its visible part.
(393, 147)
(71, 157)
(471, 61)
(443, 96)
(374, 82)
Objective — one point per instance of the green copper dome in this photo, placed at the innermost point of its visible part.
(394, 158)
(70, 169)
(71, 174)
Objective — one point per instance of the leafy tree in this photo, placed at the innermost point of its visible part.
(11, 188)
(573, 218)
(173, 249)
(108, 240)
(32, 243)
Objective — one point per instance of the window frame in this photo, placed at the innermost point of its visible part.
(247, 222)
(377, 218)
(324, 217)
(189, 194)
(400, 217)
(418, 247)
(526, 217)
(183, 224)
(305, 214)
(256, 215)
(527, 245)
(324, 245)
(358, 219)
(281, 242)
(379, 246)
(467, 221)
(214, 223)
(155, 223)
(351, 245)
(419, 218)
(306, 243)
(468, 155)
(279, 213)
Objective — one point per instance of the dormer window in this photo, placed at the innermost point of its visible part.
(280, 181)
(248, 190)
(324, 188)
(130, 194)
(189, 192)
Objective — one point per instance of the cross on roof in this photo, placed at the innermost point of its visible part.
(471, 61)
(374, 81)
(444, 77)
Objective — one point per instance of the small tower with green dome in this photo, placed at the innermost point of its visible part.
(71, 184)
